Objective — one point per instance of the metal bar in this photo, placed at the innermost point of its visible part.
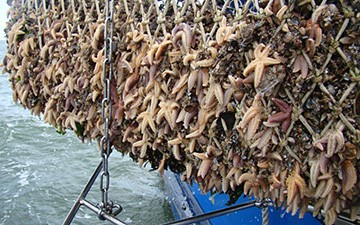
(213, 214)
(82, 195)
(340, 217)
(106, 216)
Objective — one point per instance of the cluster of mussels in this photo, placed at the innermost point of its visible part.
(261, 96)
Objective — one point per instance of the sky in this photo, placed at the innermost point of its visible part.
(3, 13)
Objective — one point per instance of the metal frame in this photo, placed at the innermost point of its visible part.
(81, 201)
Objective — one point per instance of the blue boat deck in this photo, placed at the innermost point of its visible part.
(187, 201)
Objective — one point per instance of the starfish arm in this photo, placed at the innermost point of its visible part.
(168, 118)
(143, 125)
(160, 115)
(270, 61)
(257, 51)
(250, 67)
(152, 123)
(283, 106)
(292, 190)
(259, 70)
(265, 52)
(300, 183)
(144, 120)
(278, 117)
(72, 121)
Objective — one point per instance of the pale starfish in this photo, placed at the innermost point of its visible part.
(70, 100)
(167, 110)
(334, 140)
(98, 60)
(147, 118)
(142, 144)
(71, 119)
(203, 117)
(295, 185)
(261, 60)
(15, 32)
(207, 159)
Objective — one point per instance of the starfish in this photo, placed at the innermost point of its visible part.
(284, 116)
(207, 159)
(15, 32)
(334, 140)
(167, 110)
(142, 144)
(253, 184)
(295, 185)
(26, 46)
(98, 60)
(203, 117)
(147, 118)
(71, 119)
(258, 64)
(215, 92)
(70, 100)
(251, 119)
(175, 146)
(349, 176)
(118, 110)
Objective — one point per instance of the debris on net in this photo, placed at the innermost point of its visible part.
(261, 95)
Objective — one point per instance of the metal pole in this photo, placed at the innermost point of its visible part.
(213, 214)
(343, 219)
(82, 195)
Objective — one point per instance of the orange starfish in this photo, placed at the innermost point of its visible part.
(295, 185)
(261, 60)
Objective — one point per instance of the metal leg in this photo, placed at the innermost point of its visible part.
(82, 195)
(82, 201)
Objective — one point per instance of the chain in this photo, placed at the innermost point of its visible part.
(105, 145)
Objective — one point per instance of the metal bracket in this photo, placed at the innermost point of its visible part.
(263, 203)
(112, 209)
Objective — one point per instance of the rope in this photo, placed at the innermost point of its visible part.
(264, 204)
(265, 216)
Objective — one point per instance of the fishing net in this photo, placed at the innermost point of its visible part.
(259, 96)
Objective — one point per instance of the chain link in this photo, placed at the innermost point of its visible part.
(106, 109)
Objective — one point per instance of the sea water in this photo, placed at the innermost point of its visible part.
(43, 172)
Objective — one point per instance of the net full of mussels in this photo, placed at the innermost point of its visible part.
(261, 95)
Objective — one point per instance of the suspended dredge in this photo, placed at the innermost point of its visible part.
(260, 96)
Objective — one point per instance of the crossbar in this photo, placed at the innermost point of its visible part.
(213, 214)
